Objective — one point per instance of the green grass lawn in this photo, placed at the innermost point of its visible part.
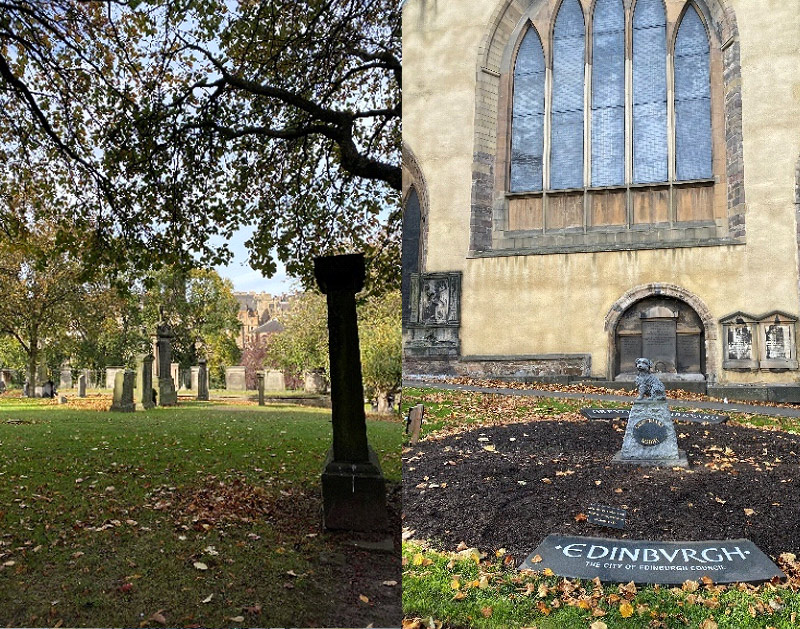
(200, 515)
(483, 593)
(445, 589)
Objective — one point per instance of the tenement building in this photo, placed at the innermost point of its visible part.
(591, 181)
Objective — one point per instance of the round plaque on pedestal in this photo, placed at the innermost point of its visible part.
(650, 432)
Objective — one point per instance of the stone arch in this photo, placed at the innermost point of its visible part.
(639, 293)
(495, 54)
(414, 180)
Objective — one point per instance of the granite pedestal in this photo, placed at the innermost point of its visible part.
(650, 438)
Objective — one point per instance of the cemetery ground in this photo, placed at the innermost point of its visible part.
(205, 514)
(493, 475)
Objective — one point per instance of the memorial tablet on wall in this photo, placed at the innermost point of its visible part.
(777, 337)
(739, 333)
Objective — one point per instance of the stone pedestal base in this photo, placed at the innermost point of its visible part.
(650, 438)
(680, 461)
(354, 495)
(167, 395)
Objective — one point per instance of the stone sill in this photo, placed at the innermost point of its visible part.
(522, 194)
(523, 357)
(529, 247)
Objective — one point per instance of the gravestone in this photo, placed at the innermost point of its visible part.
(314, 382)
(415, 414)
(65, 381)
(144, 381)
(274, 380)
(688, 352)
(111, 376)
(167, 395)
(175, 374)
(123, 391)
(202, 381)
(91, 378)
(194, 374)
(82, 385)
(353, 487)
(630, 348)
(650, 438)
(260, 377)
(235, 379)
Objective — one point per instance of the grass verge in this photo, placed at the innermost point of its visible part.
(198, 515)
(466, 589)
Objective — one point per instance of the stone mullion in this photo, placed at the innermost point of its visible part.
(671, 151)
(628, 115)
(548, 126)
(587, 118)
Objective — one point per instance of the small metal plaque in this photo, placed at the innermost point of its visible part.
(605, 413)
(604, 515)
(650, 432)
(642, 561)
(699, 418)
(622, 413)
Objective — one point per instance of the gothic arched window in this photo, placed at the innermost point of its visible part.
(611, 119)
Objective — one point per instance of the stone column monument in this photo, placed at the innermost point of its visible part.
(167, 395)
(82, 385)
(650, 438)
(353, 487)
(202, 381)
(144, 381)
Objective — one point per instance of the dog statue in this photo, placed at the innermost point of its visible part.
(648, 383)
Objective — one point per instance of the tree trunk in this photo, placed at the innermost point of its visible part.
(31, 375)
(383, 403)
(33, 356)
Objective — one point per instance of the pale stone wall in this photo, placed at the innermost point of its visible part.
(557, 304)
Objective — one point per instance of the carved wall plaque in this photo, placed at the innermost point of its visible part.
(659, 343)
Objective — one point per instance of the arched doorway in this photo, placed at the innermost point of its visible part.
(664, 329)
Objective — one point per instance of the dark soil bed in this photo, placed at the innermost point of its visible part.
(541, 475)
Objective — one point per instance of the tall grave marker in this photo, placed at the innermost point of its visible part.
(202, 380)
(167, 395)
(353, 487)
(144, 381)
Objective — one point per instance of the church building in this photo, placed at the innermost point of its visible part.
(591, 181)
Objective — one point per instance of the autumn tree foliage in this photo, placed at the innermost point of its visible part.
(42, 290)
(380, 337)
(174, 121)
(303, 345)
(253, 358)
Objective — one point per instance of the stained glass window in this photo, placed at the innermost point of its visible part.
(527, 125)
(608, 94)
(692, 99)
(650, 161)
(566, 154)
